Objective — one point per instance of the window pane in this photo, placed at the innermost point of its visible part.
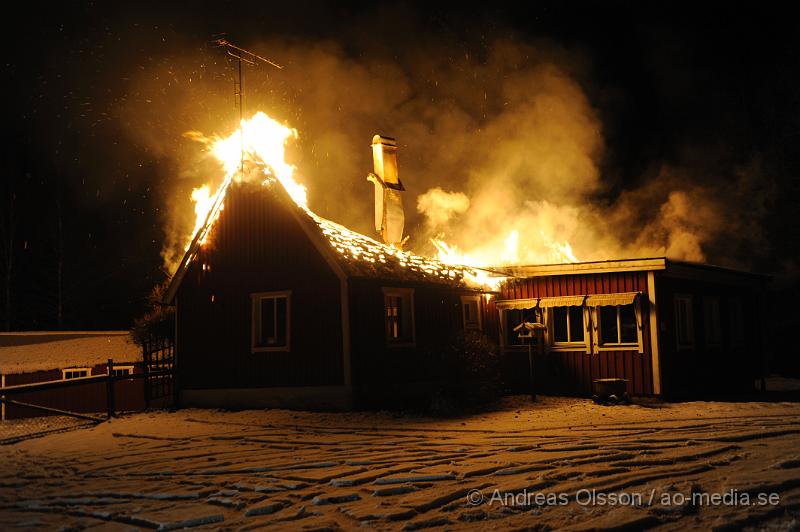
(608, 325)
(513, 318)
(560, 324)
(267, 322)
(627, 322)
(576, 324)
(281, 308)
(393, 317)
(471, 320)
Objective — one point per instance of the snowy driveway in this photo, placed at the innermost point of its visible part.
(557, 463)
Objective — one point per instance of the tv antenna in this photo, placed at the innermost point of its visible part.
(247, 57)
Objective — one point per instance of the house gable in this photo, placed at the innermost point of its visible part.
(257, 245)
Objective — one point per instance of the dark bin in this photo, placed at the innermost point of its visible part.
(605, 388)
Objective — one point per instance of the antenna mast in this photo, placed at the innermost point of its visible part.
(247, 57)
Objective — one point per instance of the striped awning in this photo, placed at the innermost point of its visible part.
(611, 300)
(520, 304)
(563, 301)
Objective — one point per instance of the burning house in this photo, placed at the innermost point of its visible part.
(277, 306)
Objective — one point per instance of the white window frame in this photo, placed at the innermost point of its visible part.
(479, 320)
(255, 309)
(689, 300)
(66, 370)
(407, 296)
(736, 314)
(638, 345)
(127, 369)
(712, 325)
(551, 331)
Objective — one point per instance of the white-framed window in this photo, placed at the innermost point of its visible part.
(617, 326)
(471, 312)
(684, 321)
(512, 318)
(75, 373)
(122, 371)
(736, 321)
(271, 321)
(711, 322)
(398, 313)
(567, 326)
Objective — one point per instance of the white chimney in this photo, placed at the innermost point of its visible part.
(389, 217)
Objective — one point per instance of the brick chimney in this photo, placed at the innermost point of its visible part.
(389, 217)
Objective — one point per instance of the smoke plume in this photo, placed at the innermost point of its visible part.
(502, 153)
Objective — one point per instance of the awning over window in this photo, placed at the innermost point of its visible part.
(611, 300)
(563, 301)
(516, 303)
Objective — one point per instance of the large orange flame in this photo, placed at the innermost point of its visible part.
(263, 140)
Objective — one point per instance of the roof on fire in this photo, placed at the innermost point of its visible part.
(351, 254)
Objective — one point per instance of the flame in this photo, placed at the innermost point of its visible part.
(263, 140)
(509, 254)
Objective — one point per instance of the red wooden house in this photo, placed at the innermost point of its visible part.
(280, 307)
(37, 357)
(669, 328)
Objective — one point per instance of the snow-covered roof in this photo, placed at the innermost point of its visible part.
(23, 352)
(362, 256)
(357, 255)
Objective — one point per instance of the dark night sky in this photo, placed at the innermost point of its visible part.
(699, 88)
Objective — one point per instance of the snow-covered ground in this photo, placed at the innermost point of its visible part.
(635, 466)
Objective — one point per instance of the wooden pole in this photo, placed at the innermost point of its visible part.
(530, 369)
(146, 363)
(110, 389)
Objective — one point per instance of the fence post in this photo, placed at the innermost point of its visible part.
(146, 364)
(110, 389)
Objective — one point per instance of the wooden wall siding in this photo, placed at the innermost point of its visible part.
(490, 317)
(87, 398)
(381, 373)
(706, 370)
(565, 285)
(256, 245)
(572, 372)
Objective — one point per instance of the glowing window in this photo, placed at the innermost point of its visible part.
(399, 316)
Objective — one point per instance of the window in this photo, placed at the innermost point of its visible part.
(684, 322)
(122, 371)
(618, 325)
(470, 307)
(711, 323)
(567, 325)
(736, 322)
(271, 321)
(75, 373)
(515, 317)
(399, 316)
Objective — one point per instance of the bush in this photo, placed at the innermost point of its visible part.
(158, 321)
(467, 370)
